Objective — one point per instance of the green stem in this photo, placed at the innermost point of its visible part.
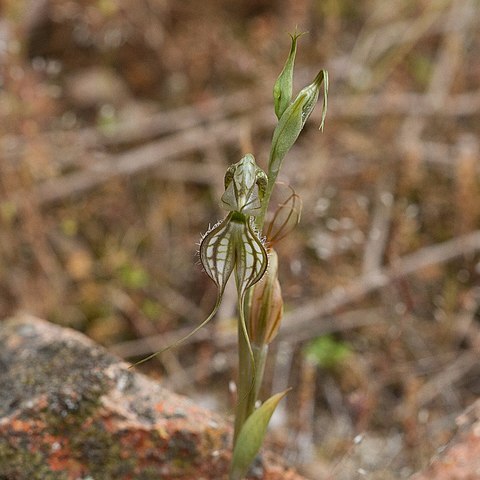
(260, 219)
(244, 383)
(260, 355)
(247, 394)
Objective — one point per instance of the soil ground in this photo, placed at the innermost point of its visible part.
(118, 121)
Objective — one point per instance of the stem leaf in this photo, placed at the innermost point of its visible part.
(251, 436)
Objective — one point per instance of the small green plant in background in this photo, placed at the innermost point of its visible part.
(236, 246)
(327, 352)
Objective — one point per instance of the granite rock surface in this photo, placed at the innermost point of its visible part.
(69, 410)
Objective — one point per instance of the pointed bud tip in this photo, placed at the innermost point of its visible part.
(322, 76)
(296, 35)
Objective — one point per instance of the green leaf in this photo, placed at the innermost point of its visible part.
(282, 90)
(251, 437)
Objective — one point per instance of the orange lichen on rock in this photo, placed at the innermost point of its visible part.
(460, 460)
(69, 410)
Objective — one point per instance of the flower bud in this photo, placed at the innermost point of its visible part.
(282, 90)
(266, 308)
(293, 120)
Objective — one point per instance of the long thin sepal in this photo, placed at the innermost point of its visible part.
(186, 337)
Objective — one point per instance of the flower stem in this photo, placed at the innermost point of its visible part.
(247, 393)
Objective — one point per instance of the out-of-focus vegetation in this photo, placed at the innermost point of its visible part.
(118, 119)
(327, 352)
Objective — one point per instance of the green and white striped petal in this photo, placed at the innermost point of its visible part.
(217, 252)
(251, 256)
(233, 244)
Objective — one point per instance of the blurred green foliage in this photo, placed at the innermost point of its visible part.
(133, 276)
(327, 352)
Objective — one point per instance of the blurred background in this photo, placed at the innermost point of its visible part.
(118, 119)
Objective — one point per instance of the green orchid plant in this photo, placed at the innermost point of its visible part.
(235, 245)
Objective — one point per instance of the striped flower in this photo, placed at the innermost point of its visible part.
(233, 244)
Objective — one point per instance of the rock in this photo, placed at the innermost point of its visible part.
(460, 460)
(69, 410)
